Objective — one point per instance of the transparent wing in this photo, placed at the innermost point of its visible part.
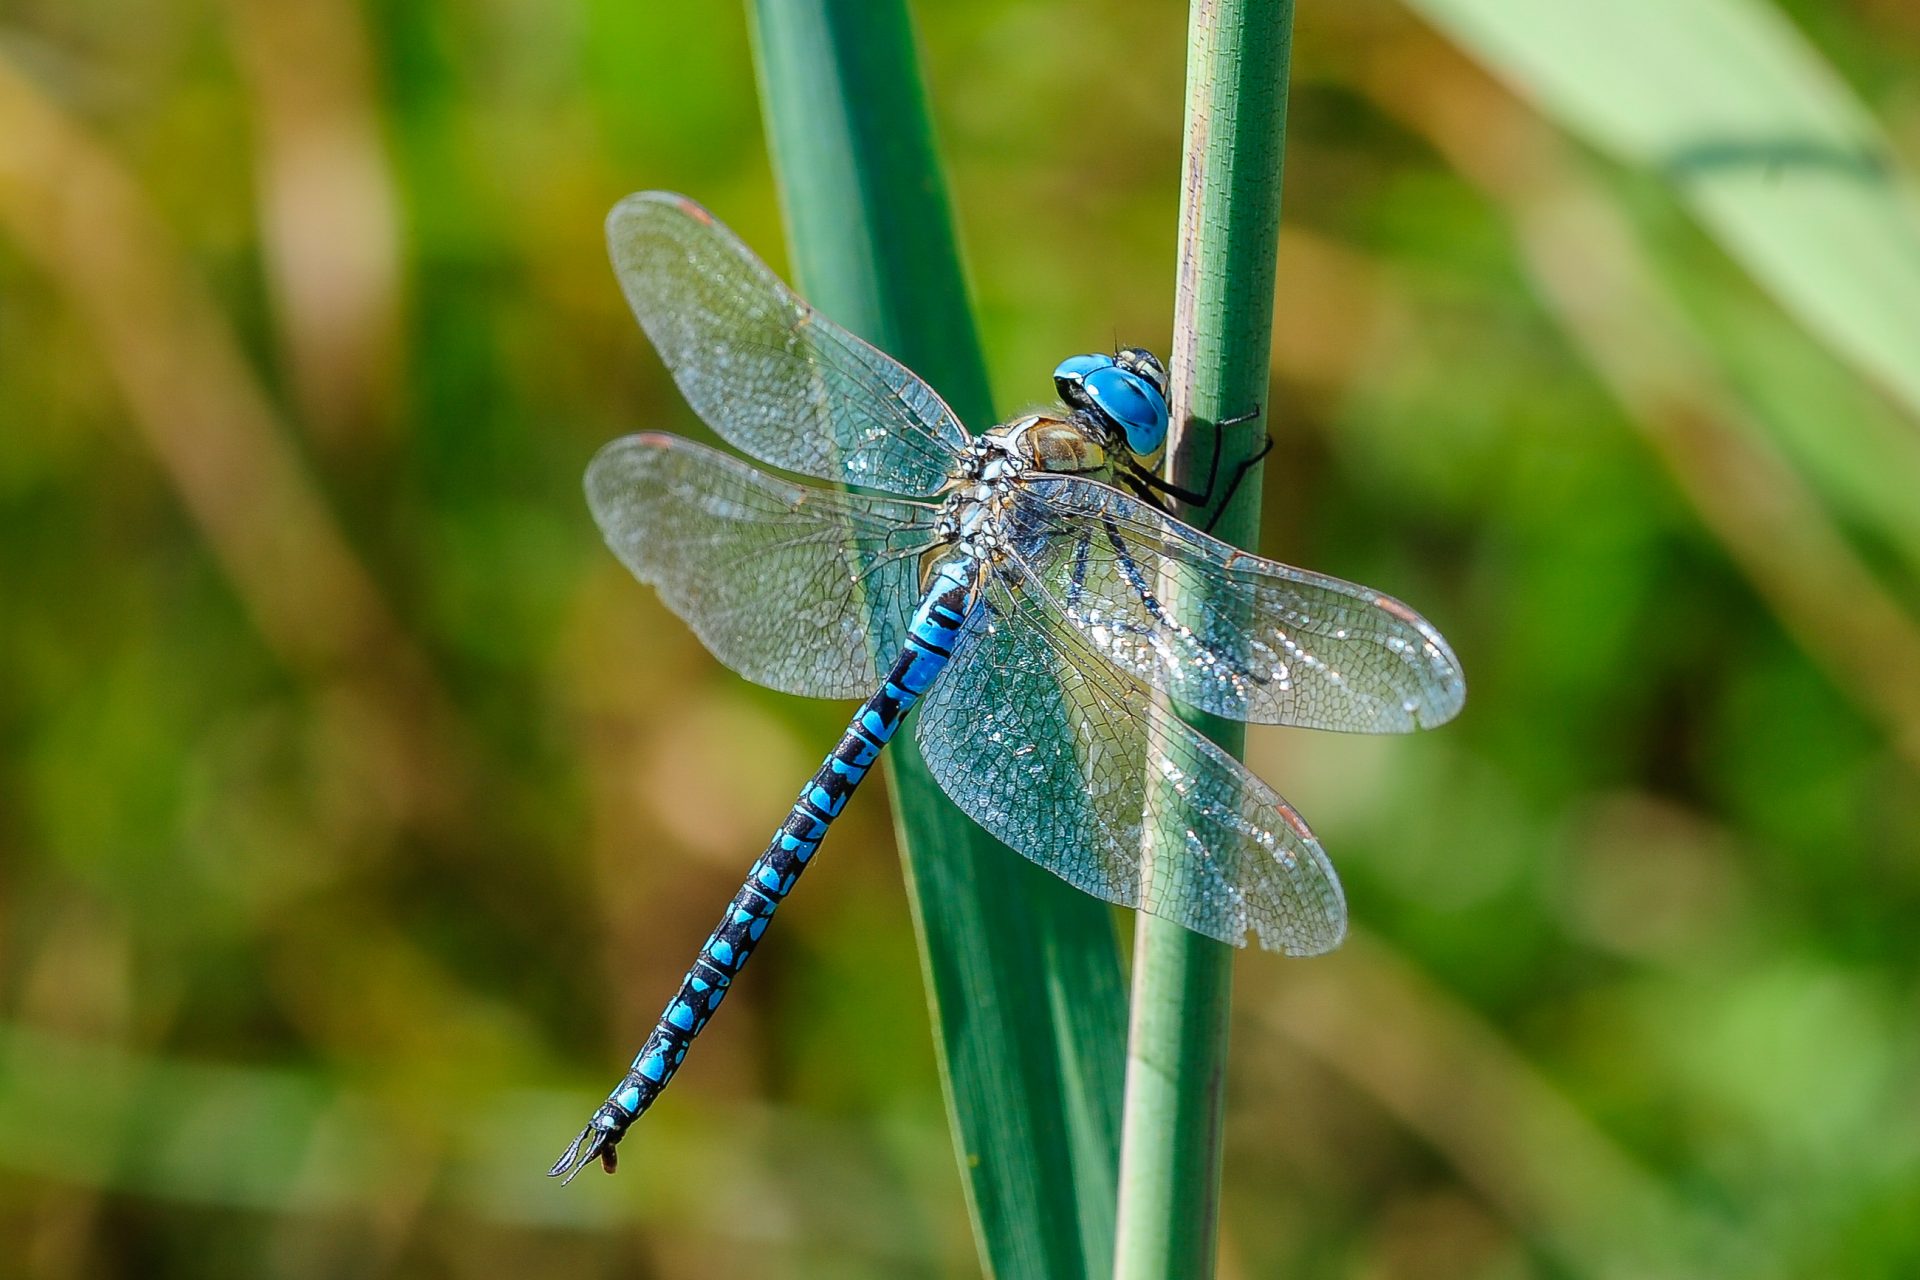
(794, 587)
(763, 368)
(1048, 747)
(1225, 631)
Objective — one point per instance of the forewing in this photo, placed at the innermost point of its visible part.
(1070, 762)
(764, 369)
(804, 590)
(1229, 632)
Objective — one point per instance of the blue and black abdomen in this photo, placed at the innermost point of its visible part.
(930, 640)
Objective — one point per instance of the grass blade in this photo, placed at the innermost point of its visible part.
(1022, 971)
(1751, 128)
(1237, 65)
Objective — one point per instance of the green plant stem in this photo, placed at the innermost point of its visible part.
(1022, 971)
(1237, 63)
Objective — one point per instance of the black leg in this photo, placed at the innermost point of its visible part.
(1191, 497)
(1081, 551)
(1142, 480)
(1140, 483)
(1233, 485)
(1163, 622)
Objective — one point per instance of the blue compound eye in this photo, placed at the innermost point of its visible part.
(1070, 375)
(1133, 404)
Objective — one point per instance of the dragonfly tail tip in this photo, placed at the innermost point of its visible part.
(591, 1142)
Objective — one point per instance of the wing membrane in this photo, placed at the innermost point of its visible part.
(794, 587)
(1228, 632)
(764, 369)
(1048, 747)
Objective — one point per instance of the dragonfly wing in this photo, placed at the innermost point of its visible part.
(1069, 761)
(794, 587)
(764, 369)
(1229, 632)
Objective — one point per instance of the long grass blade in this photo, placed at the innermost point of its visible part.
(1727, 102)
(1022, 971)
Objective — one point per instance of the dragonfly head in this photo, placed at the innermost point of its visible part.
(1126, 392)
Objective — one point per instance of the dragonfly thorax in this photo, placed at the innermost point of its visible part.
(1075, 445)
(978, 495)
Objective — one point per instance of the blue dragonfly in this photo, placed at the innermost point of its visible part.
(1027, 586)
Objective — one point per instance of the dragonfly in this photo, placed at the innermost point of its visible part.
(1028, 588)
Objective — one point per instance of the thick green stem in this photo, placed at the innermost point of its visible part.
(1237, 64)
(1023, 972)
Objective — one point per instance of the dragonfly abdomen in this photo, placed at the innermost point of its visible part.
(936, 625)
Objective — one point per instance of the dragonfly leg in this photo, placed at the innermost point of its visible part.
(1203, 498)
(1134, 480)
(1137, 579)
(1078, 581)
(1233, 486)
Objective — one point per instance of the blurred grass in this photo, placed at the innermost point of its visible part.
(1656, 886)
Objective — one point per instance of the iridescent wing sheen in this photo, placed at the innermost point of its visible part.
(804, 590)
(1225, 631)
(764, 369)
(1068, 760)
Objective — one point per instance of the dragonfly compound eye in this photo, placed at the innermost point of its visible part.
(1131, 403)
(1070, 377)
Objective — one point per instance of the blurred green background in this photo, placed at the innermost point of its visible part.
(357, 813)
